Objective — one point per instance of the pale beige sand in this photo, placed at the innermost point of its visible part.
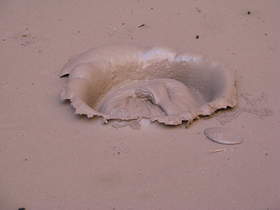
(51, 159)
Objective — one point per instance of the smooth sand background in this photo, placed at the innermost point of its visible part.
(51, 159)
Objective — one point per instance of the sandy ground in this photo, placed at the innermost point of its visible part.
(51, 159)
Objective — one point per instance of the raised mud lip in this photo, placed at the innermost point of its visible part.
(131, 82)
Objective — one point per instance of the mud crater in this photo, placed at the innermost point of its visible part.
(131, 83)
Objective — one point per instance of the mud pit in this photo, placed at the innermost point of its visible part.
(52, 159)
(128, 83)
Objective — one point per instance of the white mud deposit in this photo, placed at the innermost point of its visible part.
(223, 135)
(128, 83)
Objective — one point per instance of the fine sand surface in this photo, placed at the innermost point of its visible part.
(51, 159)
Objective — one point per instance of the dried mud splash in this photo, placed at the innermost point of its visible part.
(128, 83)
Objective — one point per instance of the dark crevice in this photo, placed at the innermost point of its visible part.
(64, 75)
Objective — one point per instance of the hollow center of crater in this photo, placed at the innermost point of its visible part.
(148, 99)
